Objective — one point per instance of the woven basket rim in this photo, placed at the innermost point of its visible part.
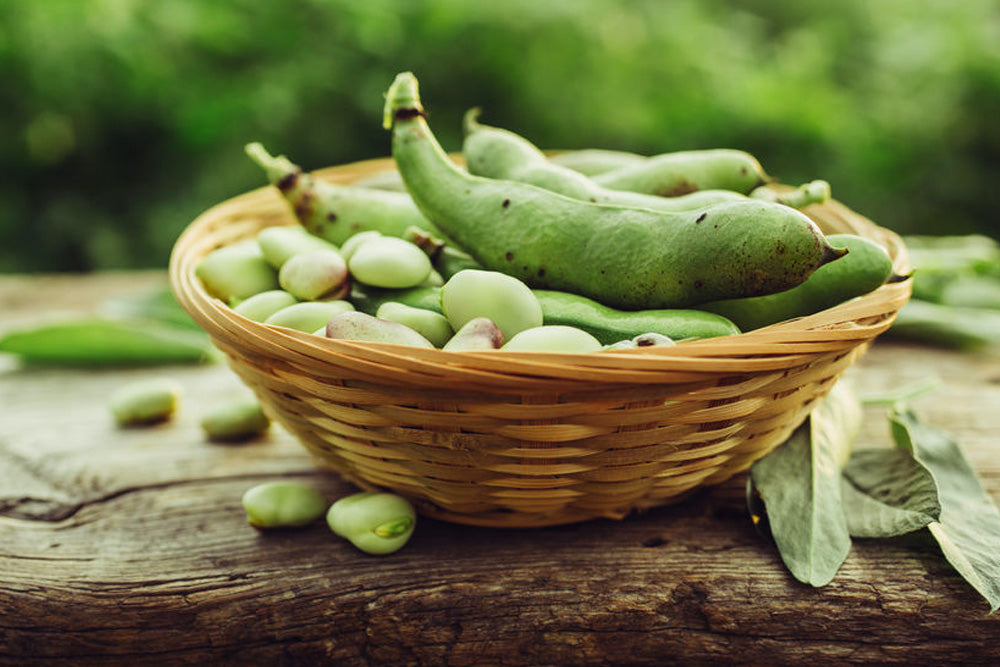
(771, 348)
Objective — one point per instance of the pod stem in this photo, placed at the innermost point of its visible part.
(430, 244)
(402, 100)
(277, 168)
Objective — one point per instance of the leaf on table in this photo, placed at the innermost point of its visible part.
(968, 529)
(953, 255)
(105, 342)
(835, 422)
(955, 327)
(159, 305)
(799, 483)
(886, 492)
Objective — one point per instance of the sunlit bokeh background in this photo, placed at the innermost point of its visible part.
(121, 120)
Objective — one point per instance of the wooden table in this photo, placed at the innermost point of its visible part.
(130, 547)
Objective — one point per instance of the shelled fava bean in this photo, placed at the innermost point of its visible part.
(377, 523)
(145, 402)
(283, 504)
(314, 275)
(235, 421)
(432, 326)
(279, 244)
(504, 299)
(479, 309)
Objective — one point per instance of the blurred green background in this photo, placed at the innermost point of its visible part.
(121, 120)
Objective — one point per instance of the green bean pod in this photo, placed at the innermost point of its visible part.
(609, 325)
(493, 152)
(627, 258)
(865, 267)
(674, 174)
(594, 161)
(382, 180)
(94, 341)
(336, 212)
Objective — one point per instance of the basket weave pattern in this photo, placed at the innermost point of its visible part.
(532, 439)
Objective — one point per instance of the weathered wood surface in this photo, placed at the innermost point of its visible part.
(130, 547)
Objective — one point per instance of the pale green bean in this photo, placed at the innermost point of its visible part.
(376, 523)
(145, 402)
(432, 326)
(308, 316)
(315, 274)
(261, 306)
(283, 504)
(235, 421)
(502, 298)
(279, 244)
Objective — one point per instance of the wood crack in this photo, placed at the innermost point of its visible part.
(53, 511)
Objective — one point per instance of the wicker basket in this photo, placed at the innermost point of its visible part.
(533, 439)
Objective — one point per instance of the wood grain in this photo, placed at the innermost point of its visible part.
(130, 547)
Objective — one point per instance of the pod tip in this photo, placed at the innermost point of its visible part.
(899, 277)
(816, 192)
(831, 253)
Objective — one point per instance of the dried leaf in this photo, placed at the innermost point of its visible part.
(968, 530)
(799, 483)
(886, 492)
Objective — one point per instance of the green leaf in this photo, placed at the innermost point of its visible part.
(955, 327)
(159, 305)
(799, 483)
(108, 342)
(886, 492)
(968, 530)
(904, 393)
(835, 422)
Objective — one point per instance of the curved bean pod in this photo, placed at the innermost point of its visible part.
(336, 212)
(673, 174)
(866, 267)
(626, 258)
(497, 153)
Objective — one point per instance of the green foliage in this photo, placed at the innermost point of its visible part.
(122, 120)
